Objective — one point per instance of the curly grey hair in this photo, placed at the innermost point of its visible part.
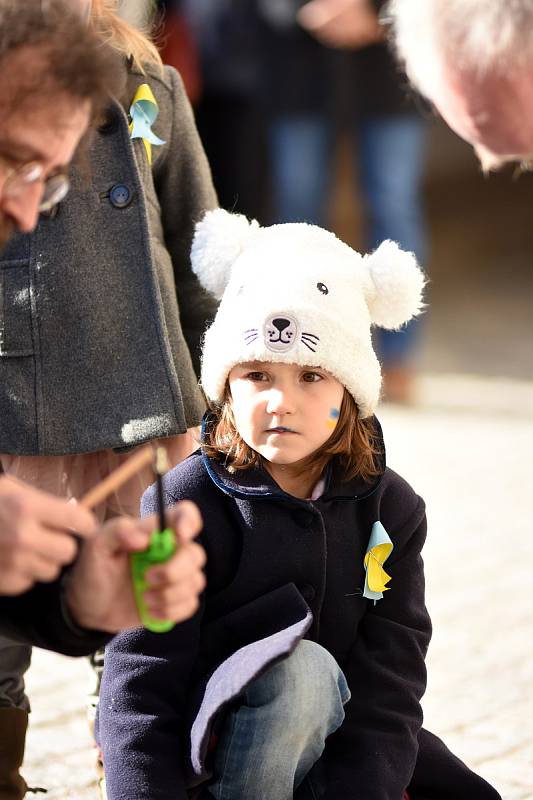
(476, 34)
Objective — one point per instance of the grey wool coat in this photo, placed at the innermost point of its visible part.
(101, 316)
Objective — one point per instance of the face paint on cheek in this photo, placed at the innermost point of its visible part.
(333, 418)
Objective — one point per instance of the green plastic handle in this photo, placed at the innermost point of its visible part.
(162, 547)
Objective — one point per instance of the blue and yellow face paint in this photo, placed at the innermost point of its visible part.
(333, 418)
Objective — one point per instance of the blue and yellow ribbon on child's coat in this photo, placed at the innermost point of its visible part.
(379, 549)
(143, 113)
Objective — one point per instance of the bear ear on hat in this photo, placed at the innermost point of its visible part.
(394, 292)
(219, 239)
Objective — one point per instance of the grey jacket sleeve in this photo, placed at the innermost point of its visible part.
(185, 191)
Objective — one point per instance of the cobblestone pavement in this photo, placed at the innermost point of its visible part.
(466, 450)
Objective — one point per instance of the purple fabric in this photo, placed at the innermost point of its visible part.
(232, 677)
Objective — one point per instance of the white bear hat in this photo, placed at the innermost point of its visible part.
(294, 293)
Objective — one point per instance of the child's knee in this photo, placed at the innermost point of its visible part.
(309, 684)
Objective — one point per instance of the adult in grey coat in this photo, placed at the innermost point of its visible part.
(96, 355)
(95, 352)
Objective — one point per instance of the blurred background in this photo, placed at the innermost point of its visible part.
(295, 130)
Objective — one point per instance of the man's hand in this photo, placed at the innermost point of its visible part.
(99, 592)
(36, 535)
(349, 24)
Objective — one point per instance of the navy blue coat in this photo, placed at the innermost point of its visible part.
(272, 558)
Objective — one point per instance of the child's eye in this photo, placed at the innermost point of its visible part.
(322, 288)
(311, 377)
(256, 376)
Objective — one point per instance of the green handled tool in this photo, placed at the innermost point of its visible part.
(161, 548)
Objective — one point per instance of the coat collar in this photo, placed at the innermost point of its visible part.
(257, 482)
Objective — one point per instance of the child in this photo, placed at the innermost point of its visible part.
(302, 672)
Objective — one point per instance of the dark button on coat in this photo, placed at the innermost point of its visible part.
(120, 196)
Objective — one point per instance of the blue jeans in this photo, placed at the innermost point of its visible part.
(390, 152)
(269, 744)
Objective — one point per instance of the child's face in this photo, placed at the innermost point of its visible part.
(284, 411)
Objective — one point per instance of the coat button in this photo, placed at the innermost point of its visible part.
(308, 592)
(120, 195)
(109, 125)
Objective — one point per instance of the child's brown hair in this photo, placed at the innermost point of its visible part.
(354, 442)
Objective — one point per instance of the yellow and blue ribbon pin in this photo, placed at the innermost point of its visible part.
(143, 113)
(379, 549)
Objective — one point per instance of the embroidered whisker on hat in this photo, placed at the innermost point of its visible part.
(295, 293)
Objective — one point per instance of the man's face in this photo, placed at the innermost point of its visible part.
(46, 132)
(493, 112)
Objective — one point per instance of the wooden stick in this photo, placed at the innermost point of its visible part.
(117, 478)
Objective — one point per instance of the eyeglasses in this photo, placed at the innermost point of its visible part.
(18, 179)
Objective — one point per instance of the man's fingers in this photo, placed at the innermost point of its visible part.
(27, 569)
(171, 596)
(125, 534)
(185, 519)
(174, 588)
(315, 14)
(189, 559)
(26, 503)
(43, 570)
(72, 517)
(15, 583)
(177, 613)
(172, 601)
(61, 548)
(131, 535)
(348, 24)
(28, 542)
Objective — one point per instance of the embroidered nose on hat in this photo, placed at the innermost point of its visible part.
(281, 333)
(331, 297)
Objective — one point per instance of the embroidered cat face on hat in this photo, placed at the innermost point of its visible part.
(295, 293)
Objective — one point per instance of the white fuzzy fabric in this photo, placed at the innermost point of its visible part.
(219, 239)
(397, 283)
(281, 273)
